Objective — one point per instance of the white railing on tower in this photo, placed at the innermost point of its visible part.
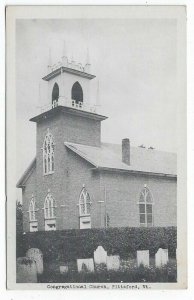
(62, 101)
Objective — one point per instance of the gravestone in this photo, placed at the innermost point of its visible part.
(143, 258)
(86, 264)
(37, 256)
(63, 269)
(161, 257)
(100, 256)
(26, 270)
(113, 262)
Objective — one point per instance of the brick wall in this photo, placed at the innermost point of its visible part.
(122, 196)
(71, 172)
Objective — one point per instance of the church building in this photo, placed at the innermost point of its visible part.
(76, 181)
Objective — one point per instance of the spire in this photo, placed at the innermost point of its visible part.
(98, 95)
(49, 60)
(88, 57)
(64, 49)
(87, 65)
(64, 55)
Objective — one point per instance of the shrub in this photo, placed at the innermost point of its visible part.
(68, 245)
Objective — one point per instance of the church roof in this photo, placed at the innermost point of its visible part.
(27, 173)
(109, 156)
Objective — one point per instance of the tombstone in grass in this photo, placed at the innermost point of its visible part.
(63, 269)
(113, 262)
(143, 258)
(37, 256)
(26, 271)
(161, 257)
(86, 264)
(100, 256)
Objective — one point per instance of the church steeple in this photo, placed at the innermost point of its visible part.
(64, 55)
(69, 96)
(69, 78)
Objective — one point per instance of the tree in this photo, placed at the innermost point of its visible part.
(19, 228)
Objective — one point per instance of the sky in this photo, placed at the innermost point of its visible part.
(134, 60)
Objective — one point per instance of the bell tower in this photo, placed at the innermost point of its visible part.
(68, 105)
(69, 84)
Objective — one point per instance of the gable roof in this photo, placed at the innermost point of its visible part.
(21, 182)
(109, 156)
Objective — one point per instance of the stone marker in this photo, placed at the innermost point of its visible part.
(113, 262)
(26, 270)
(100, 256)
(86, 264)
(37, 256)
(63, 269)
(161, 257)
(143, 258)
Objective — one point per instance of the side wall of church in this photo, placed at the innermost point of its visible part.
(122, 196)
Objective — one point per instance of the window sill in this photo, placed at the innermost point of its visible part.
(53, 218)
(50, 173)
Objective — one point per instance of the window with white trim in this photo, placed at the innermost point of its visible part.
(48, 154)
(32, 215)
(49, 212)
(84, 203)
(145, 208)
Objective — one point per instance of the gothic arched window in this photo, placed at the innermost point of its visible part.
(49, 207)
(49, 212)
(55, 95)
(32, 215)
(84, 203)
(32, 210)
(48, 154)
(146, 208)
(77, 92)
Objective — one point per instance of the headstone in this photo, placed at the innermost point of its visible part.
(86, 264)
(37, 256)
(100, 256)
(26, 270)
(63, 269)
(143, 258)
(113, 262)
(161, 257)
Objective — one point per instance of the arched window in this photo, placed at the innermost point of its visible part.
(77, 92)
(49, 207)
(84, 203)
(55, 95)
(48, 154)
(49, 213)
(146, 208)
(32, 211)
(32, 215)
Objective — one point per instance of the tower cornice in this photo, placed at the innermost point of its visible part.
(58, 71)
(68, 110)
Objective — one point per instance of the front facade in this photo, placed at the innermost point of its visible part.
(76, 181)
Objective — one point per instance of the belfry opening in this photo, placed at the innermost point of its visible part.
(77, 92)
